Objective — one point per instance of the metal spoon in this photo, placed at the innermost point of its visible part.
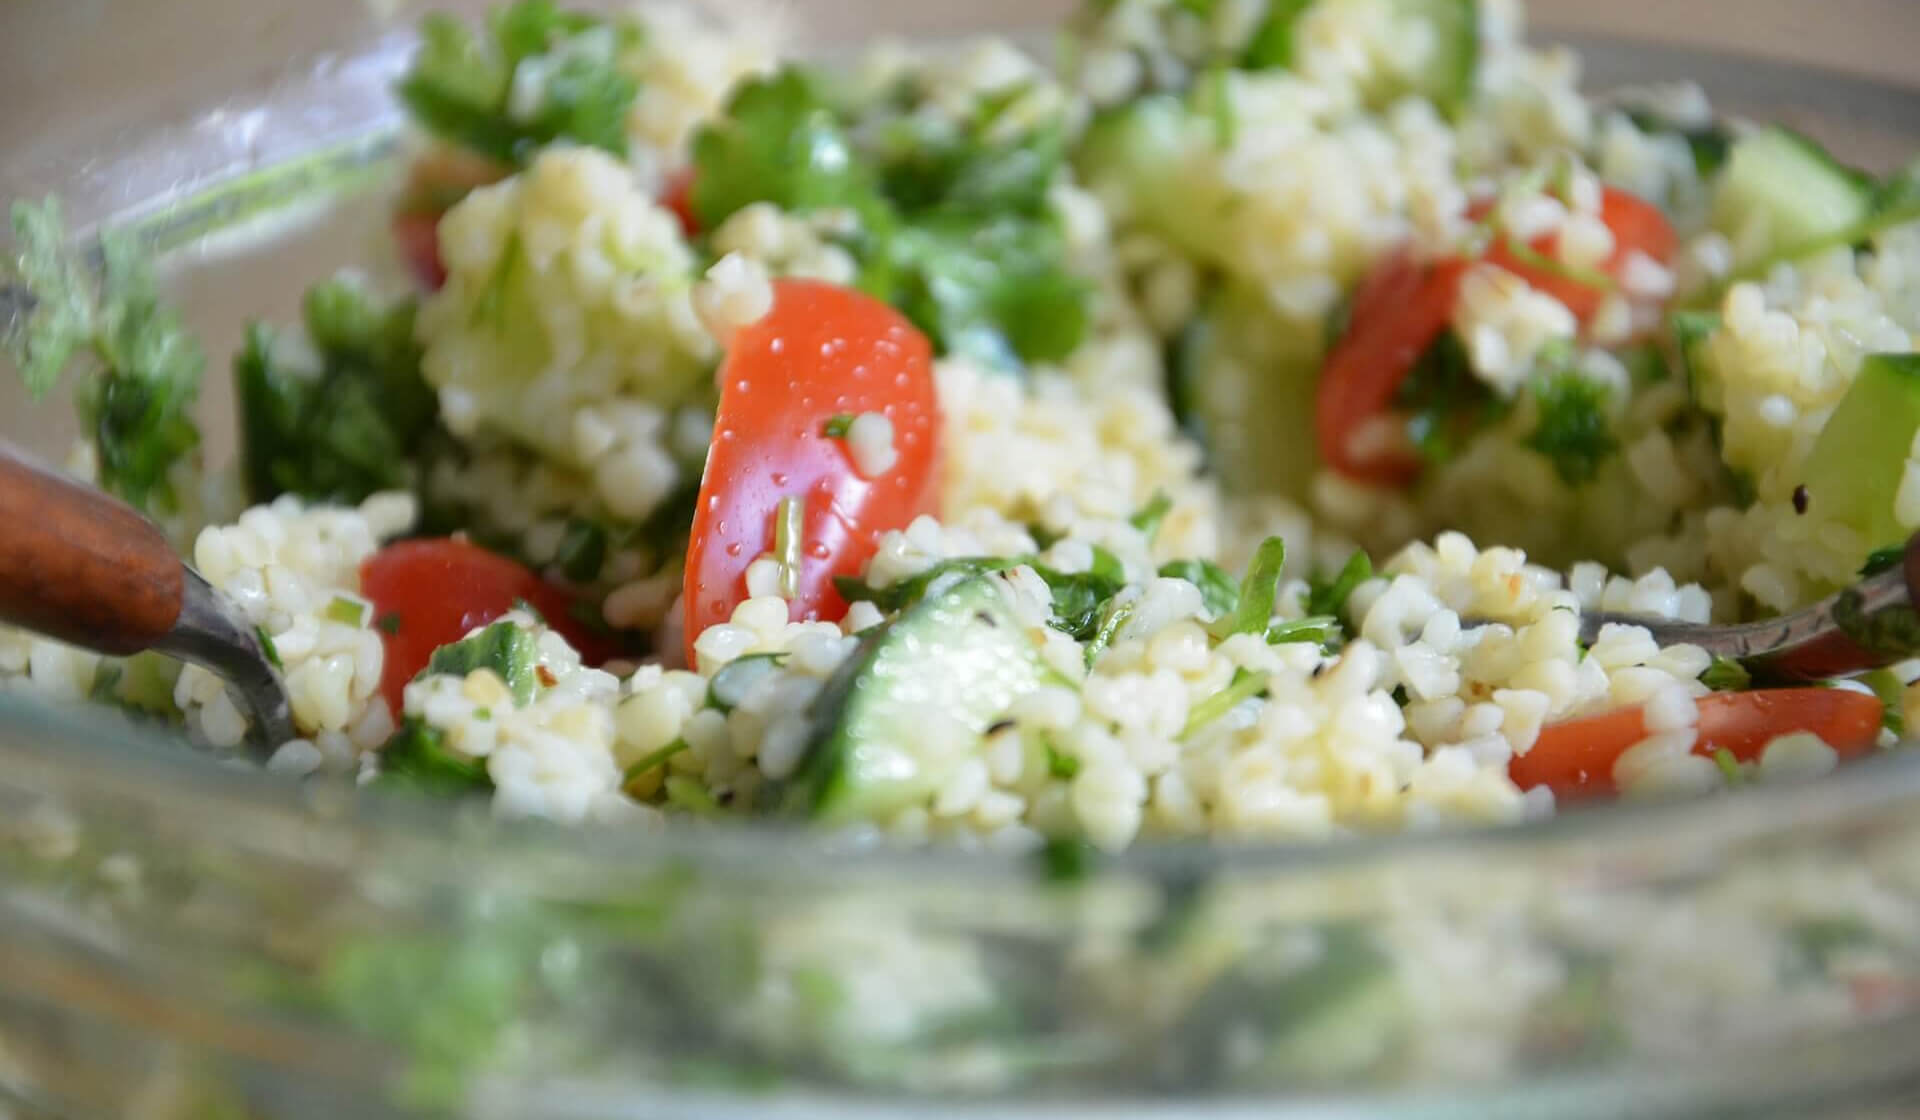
(84, 568)
(1868, 625)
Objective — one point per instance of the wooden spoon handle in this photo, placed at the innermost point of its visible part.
(80, 566)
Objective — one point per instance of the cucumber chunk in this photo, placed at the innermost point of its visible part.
(1242, 381)
(951, 663)
(1853, 474)
(1156, 159)
(1782, 193)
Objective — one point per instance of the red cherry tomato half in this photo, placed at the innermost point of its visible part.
(429, 592)
(1397, 313)
(1402, 308)
(821, 352)
(1575, 758)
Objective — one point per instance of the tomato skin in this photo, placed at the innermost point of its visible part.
(821, 351)
(1575, 758)
(417, 237)
(1400, 309)
(1635, 224)
(677, 196)
(1403, 307)
(432, 591)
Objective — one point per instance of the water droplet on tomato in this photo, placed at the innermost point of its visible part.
(901, 379)
(818, 550)
(859, 373)
(726, 433)
(713, 501)
(743, 385)
(720, 526)
(777, 345)
(779, 478)
(840, 401)
(733, 549)
(806, 402)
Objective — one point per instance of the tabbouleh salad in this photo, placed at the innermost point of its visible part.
(1216, 431)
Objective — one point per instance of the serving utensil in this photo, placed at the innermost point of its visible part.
(83, 567)
(1867, 625)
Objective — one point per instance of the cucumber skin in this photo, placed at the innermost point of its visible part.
(1802, 194)
(854, 767)
(1853, 473)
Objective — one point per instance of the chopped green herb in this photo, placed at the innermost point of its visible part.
(340, 418)
(1116, 616)
(483, 713)
(1890, 690)
(1217, 590)
(650, 760)
(1725, 675)
(348, 612)
(1330, 598)
(837, 425)
(137, 404)
(267, 647)
(417, 757)
(389, 623)
(1445, 403)
(582, 551)
(1573, 431)
(1216, 90)
(688, 794)
(1080, 599)
(507, 649)
(1066, 859)
(1883, 560)
(1244, 686)
(1730, 767)
(541, 74)
(1147, 518)
(1708, 143)
(1060, 764)
(1258, 591)
(1271, 44)
(1323, 629)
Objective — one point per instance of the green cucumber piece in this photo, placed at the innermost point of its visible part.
(1782, 193)
(1853, 473)
(960, 655)
(1242, 381)
(1157, 157)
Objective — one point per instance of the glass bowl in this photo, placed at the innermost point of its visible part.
(185, 939)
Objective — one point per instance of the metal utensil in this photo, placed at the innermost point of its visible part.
(85, 568)
(1868, 625)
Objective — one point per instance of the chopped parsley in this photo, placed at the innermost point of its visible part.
(1883, 560)
(1244, 686)
(1147, 518)
(582, 551)
(837, 425)
(137, 401)
(1446, 405)
(538, 75)
(1258, 591)
(1330, 597)
(1725, 675)
(1218, 593)
(951, 222)
(1573, 431)
(418, 758)
(339, 417)
(348, 612)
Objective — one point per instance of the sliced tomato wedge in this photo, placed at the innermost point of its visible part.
(1397, 314)
(432, 591)
(1402, 308)
(822, 352)
(1575, 758)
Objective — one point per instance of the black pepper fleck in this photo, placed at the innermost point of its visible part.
(997, 726)
(1800, 498)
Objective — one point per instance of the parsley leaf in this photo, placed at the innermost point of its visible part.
(1573, 431)
(1258, 591)
(1217, 590)
(337, 421)
(418, 757)
(1725, 675)
(1446, 405)
(1330, 597)
(779, 141)
(541, 74)
(138, 405)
